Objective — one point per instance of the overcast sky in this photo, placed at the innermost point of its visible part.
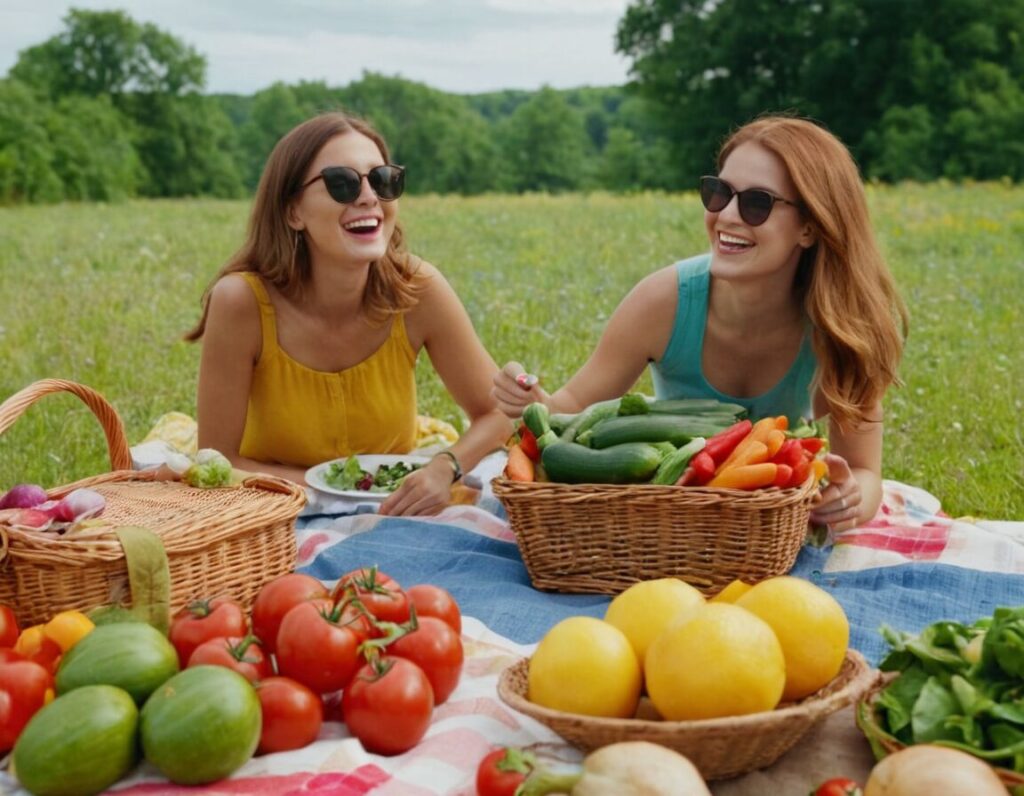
(462, 46)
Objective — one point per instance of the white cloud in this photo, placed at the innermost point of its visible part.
(462, 46)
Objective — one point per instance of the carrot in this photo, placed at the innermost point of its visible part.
(519, 466)
(754, 453)
(747, 476)
(759, 433)
(774, 441)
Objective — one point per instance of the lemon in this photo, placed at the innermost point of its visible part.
(812, 628)
(645, 609)
(718, 660)
(732, 592)
(584, 665)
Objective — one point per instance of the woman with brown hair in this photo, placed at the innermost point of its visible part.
(312, 329)
(792, 312)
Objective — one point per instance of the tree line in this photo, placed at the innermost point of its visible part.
(919, 89)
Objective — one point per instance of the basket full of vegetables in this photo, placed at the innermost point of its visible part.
(61, 550)
(635, 489)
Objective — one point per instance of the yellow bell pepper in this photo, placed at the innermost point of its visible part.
(68, 628)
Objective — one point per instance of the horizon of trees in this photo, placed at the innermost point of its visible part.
(111, 108)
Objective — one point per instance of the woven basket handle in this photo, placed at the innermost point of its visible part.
(117, 444)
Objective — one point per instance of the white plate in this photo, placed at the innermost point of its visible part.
(370, 463)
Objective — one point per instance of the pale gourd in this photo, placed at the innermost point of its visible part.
(935, 771)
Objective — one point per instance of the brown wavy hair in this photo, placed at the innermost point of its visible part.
(859, 320)
(279, 254)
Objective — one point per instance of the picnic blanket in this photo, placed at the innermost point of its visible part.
(908, 567)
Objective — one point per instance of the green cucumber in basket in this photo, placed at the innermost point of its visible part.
(589, 417)
(673, 465)
(632, 463)
(696, 406)
(677, 429)
(535, 418)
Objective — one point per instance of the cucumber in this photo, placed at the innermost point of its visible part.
(673, 465)
(693, 406)
(559, 421)
(535, 418)
(677, 429)
(81, 743)
(590, 416)
(632, 463)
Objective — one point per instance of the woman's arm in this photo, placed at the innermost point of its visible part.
(637, 333)
(854, 492)
(442, 324)
(231, 345)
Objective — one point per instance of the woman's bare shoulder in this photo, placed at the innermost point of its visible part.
(233, 295)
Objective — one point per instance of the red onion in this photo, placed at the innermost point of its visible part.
(23, 496)
(80, 505)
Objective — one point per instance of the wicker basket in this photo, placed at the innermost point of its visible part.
(218, 541)
(883, 744)
(594, 538)
(720, 748)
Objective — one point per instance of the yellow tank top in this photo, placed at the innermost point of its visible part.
(300, 416)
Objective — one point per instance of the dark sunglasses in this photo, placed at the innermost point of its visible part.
(755, 204)
(344, 184)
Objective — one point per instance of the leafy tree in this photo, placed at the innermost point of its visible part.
(544, 143)
(107, 52)
(274, 111)
(94, 155)
(26, 154)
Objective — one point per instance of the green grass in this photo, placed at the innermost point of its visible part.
(101, 293)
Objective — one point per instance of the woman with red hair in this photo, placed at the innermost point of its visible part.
(793, 311)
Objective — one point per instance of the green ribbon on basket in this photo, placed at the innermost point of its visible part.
(149, 579)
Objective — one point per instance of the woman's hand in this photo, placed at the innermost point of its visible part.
(424, 491)
(513, 391)
(840, 505)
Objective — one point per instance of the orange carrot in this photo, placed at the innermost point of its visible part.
(782, 422)
(747, 476)
(774, 441)
(759, 433)
(519, 466)
(754, 453)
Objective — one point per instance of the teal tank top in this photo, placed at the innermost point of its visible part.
(678, 373)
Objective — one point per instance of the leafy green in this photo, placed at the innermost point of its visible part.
(210, 469)
(949, 693)
(351, 476)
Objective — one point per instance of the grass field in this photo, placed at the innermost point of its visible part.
(101, 294)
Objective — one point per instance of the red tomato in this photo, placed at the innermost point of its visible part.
(435, 601)
(502, 771)
(278, 597)
(379, 593)
(437, 650)
(24, 688)
(292, 715)
(388, 705)
(9, 630)
(242, 654)
(839, 786)
(318, 645)
(203, 620)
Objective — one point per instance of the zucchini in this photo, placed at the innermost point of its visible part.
(632, 463)
(673, 465)
(535, 418)
(694, 406)
(677, 429)
(559, 420)
(589, 417)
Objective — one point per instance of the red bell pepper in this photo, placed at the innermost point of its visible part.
(800, 473)
(722, 444)
(791, 453)
(783, 475)
(528, 442)
(812, 444)
(704, 467)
